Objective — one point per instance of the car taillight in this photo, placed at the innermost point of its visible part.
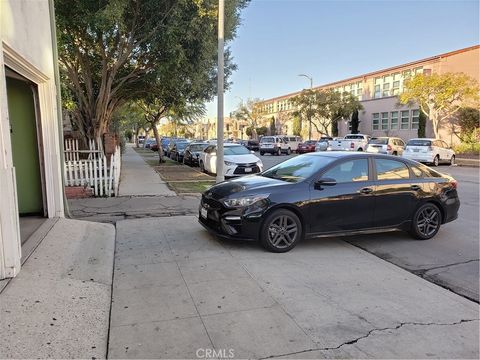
(352, 145)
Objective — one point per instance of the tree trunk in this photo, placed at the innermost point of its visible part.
(159, 144)
(137, 131)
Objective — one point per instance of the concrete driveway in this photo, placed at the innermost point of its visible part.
(180, 293)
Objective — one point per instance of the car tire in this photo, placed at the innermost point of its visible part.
(202, 167)
(289, 151)
(394, 153)
(177, 158)
(426, 222)
(452, 160)
(262, 153)
(279, 152)
(281, 231)
(436, 160)
(359, 149)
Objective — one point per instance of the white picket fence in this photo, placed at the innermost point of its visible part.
(94, 171)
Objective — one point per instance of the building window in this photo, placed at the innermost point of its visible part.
(396, 88)
(377, 93)
(394, 120)
(415, 119)
(404, 125)
(376, 121)
(386, 89)
(384, 120)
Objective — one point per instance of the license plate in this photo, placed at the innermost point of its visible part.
(248, 170)
(203, 212)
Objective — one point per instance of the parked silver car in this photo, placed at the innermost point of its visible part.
(386, 145)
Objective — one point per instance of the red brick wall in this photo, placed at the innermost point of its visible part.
(78, 192)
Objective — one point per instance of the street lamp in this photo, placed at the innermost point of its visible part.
(220, 163)
(309, 115)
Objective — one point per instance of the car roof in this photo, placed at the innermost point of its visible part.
(431, 139)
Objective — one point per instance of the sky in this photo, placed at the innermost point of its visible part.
(336, 39)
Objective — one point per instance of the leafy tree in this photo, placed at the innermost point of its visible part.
(355, 122)
(249, 131)
(249, 111)
(324, 108)
(297, 125)
(272, 126)
(262, 131)
(422, 125)
(469, 122)
(113, 51)
(440, 96)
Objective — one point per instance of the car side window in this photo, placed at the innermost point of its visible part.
(349, 171)
(444, 144)
(391, 169)
(417, 172)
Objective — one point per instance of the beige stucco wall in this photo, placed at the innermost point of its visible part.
(26, 48)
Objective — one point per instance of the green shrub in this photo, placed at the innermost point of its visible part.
(467, 148)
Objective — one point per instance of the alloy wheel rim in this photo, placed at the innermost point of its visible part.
(282, 231)
(428, 221)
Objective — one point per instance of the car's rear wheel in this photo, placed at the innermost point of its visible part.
(262, 153)
(436, 160)
(426, 222)
(289, 151)
(359, 149)
(452, 160)
(279, 151)
(394, 153)
(281, 231)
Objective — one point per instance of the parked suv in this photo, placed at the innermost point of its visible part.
(275, 145)
(293, 141)
(386, 145)
(432, 151)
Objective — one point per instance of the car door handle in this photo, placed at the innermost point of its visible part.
(415, 187)
(365, 190)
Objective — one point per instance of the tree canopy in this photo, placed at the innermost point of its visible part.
(440, 96)
(113, 51)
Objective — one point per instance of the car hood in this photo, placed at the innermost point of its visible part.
(242, 159)
(243, 184)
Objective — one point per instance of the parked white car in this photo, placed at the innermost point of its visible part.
(431, 151)
(386, 145)
(335, 144)
(275, 145)
(355, 142)
(238, 160)
(293, 141)
(323, 144)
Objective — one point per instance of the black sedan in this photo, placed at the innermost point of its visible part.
(330, 194)
(192, 153)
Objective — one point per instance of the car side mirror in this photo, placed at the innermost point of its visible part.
(324, 182)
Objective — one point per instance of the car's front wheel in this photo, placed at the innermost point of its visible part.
(279, 151)
(426, 222)
(281, 231)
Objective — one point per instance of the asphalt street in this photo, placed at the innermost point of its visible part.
(451, 258)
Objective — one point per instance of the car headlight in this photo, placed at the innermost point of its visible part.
(229, 163)
(244, 201)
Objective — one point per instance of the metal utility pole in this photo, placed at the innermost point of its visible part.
(309, 120)
(220, 163)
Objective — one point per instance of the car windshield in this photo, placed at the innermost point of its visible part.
(419, 142)
(182, 145)
(348, 137)
(379, 141)
(198, 147)
(236, 150)
(267, 139)
(298, 168)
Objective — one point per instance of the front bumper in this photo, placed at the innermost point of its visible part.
(241, 169)
(240, 224)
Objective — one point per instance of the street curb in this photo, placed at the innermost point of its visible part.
(467, 162)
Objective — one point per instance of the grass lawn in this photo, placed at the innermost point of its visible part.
(190, 186)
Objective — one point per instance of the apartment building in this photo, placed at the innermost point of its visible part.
(378, 93)
(232, 129)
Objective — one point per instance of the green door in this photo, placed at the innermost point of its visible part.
(25, 152)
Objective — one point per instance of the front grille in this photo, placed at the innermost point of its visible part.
(212, 204)
(248, 165)
(241, 170)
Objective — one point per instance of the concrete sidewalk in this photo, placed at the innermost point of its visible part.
(180, 293)
(138, 178)
(58, 306)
